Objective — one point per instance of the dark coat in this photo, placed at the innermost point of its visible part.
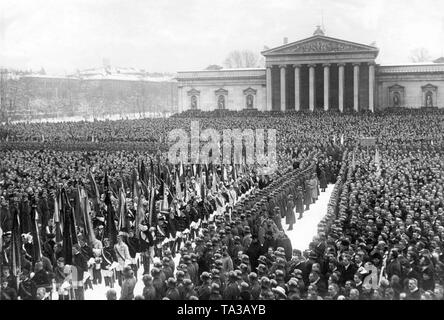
(347, 274)
(289, 216)
(323, 179)
(300, 202)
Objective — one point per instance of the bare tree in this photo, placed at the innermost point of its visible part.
(241, 59)
(420, 55)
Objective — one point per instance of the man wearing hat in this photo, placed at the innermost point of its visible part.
(204, 291)
(232, 291)
(158, 283)
(149, 292)
(172, 292)
(215, 292)
(188, 290)
(128, 284)
(279, 293)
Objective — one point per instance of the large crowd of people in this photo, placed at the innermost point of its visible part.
(99, 203)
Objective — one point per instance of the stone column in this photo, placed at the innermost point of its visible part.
(297, 99)
(356, 86)
(371, 86)
(283, 87)
(341, 86)
(269, 89)
(326, 86)
(311, 86)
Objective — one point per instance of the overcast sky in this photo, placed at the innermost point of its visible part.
(172, 35)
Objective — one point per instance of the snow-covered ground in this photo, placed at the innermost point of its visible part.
(305, 229)
(302, 234)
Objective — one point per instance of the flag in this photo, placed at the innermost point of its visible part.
(214, 185)
(86, 211)
(37, 247)
(142, 172)
(181, 170)
(165, 207)
(16, 243)
(203, 186)
(140, 215)
(95, 194)
(67, 228)
(151, 204)
(207, 176)
(78, 209)
(56, 217)
(234, 172)
(186, 192)
(178, 189)
(153, 182)
(123, 216)
(110, 226)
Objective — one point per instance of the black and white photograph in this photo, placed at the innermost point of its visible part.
(239, 151)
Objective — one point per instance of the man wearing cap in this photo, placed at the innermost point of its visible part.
(172, 292)
(109, 258)
(188, 290)
(79, 267)
(123, 256)
(215, 292)
(158, 283)
(149, 291)
(146, 245)
(87, 252)
(289, 214)
(232, 290)
(204, 291)
(161, 235)
(128, 284)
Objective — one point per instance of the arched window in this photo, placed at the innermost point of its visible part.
(193, 102)
(221, 102)
(429, 99)
(250, 101)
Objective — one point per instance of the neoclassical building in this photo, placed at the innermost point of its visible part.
(318, 72)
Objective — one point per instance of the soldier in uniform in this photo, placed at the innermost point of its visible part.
(289, 216)
(172, 292)
(300, 202)
(108, 258)
(161, 235)
(146, 245)
(204, 291)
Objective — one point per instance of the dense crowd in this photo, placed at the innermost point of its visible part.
(219, 231)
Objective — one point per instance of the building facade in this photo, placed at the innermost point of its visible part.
(317, 73)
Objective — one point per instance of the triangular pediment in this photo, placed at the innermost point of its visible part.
(319, 44)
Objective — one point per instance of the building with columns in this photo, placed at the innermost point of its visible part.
(316, 73)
